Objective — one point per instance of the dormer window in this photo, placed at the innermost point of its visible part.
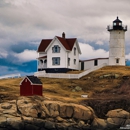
(56, 49)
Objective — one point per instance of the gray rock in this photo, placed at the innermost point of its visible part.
(77, 88)
(117, 76)
(3, 121)
(62, 126)
(15, 123)
(39, 122)
(127, 122)
(49, 125)
(30, 127)
(101, 77)
(73, 90)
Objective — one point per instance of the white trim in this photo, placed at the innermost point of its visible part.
(22, 80)
(55, 38)
(79, 50)
(68, 76)
(29, 80)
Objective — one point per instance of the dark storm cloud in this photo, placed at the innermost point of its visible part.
(21, 46)
(23, 23)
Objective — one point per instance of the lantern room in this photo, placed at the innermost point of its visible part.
(117, 25)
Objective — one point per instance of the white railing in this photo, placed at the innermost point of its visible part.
(10, 76)
(67, 76)
(91, 69)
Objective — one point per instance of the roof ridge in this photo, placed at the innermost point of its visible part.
(65, 38)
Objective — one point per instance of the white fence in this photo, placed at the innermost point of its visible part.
(10, 76)
(67, 76)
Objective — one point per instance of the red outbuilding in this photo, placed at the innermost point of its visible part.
(30, 86)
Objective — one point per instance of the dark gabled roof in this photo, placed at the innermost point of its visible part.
(67, 43)
(34, 80)
(117, 20)
(44, 44)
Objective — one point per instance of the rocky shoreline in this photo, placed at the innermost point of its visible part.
(38, 113)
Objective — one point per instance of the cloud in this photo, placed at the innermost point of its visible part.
(99, 43)
(3, 53)
(127, 56)
(27, 68)
(89, 52)
(26, 55)
(23, 24)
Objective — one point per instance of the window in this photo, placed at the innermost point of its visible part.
(95, 62)
(45, 61)
(56, 49)
(68, 61)
(41, 61)
(74, 61)
(56, 60)
(74, 51)
(120, 24)
(114, 24)
(117, 60)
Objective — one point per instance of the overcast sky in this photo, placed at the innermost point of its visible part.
(24, 23)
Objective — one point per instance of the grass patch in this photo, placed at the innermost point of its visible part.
(61, 89)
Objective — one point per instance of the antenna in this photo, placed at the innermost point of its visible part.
(117, 13)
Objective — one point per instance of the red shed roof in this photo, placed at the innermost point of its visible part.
(68, 43)
(33, 79)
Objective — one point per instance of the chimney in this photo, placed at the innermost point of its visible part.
(63, 35)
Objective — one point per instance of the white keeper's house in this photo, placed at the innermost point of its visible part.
(60, 54)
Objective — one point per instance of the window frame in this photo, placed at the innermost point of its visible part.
(74, 50)
(68, 61)
(117, 60)
(74, 61)
(55, 49)
(96, 62)
(55, 60)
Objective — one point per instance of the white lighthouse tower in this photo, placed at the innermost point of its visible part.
(117, 43)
